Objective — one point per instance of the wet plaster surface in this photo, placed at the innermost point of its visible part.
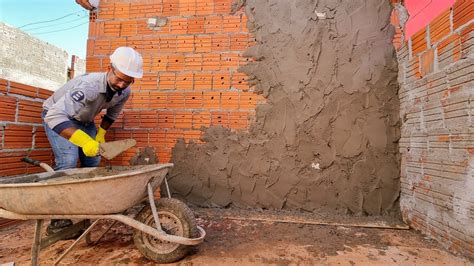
(326, 139)
(230, 242)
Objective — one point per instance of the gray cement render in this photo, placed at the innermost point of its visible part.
(327, 136)
(28, 60)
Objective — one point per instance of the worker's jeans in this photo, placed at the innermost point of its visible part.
(66, 154)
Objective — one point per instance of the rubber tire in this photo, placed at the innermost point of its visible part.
(187, 219)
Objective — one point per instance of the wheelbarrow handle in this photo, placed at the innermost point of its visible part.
(31, 161)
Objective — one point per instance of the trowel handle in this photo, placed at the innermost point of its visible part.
(38, 163)
(31, 161)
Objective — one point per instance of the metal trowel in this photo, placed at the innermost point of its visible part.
(111, 149)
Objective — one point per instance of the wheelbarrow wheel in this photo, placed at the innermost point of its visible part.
(176, 219)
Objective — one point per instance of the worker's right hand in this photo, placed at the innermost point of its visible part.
(89, 146)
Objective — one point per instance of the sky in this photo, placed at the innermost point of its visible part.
(67, 27)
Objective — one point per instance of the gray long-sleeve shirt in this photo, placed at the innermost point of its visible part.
(82, 98)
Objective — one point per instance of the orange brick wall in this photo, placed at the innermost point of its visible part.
(436, 76)
(190, 69)
(22, 133)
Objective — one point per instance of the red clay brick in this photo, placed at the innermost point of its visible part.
(29, 111)
(178, 26)
(12, 164)
(140, 10)
(131, 118)
(44, 94)
(22, 89)
(202, 81)
(18, 137)
(231, 24)
(419, 42)
(230, 100)
(158, 99)
(213, 24)
(193, 62)
(148, 119)
(440, 27)
(170, 8)
(239, 81)
(451, 44)
(112, 28)
(196, 25)
(239, 42)
(201, 119)
(175, 100)
(204, 7)
(122, 10)
(202, 44)
(176, 63)
(193, 100)
(192, 135)
(463, 12)
(184, 81)
(3, 85)
(248, 100)
(187, 7)
(165, 119)
(212, 100)
(220, 42)
(157, 137)
(185, 44)
(222, 6)
(183, 120)
(220, 119)
(238, 120)
(41, 140)
(8, 109)
(230, 61)
(168, 44)
(140, 99)
(167, 81)
(221, 81)
(128, 28)
(158, 63)
(211, 61)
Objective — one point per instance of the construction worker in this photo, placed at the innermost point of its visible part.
(88, 4)
(68, 115)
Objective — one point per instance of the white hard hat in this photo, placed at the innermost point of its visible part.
(128, 61)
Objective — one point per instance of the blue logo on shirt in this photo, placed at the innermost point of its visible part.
(77, 96)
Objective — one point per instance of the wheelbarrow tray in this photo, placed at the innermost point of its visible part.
(99, 195)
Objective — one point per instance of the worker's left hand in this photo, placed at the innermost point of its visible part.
(100, 137)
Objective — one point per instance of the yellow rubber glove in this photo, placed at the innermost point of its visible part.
(100, 137)
(89, 146)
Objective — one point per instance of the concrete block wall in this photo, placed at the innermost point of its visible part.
(21, 131)
(30, 61)
(436, 76)
(190, 64)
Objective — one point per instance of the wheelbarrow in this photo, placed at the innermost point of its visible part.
(164, 229)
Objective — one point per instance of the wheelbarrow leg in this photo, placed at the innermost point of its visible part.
(36, 248)
(77, 241)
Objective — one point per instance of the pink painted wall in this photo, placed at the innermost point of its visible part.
(422, 12)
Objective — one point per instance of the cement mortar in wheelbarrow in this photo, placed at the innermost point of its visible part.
(105, 193)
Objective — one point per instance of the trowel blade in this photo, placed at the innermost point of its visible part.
(110, 150)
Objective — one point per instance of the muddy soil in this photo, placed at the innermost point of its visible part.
(230, 241)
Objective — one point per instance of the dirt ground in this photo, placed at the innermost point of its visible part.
(249, 237)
